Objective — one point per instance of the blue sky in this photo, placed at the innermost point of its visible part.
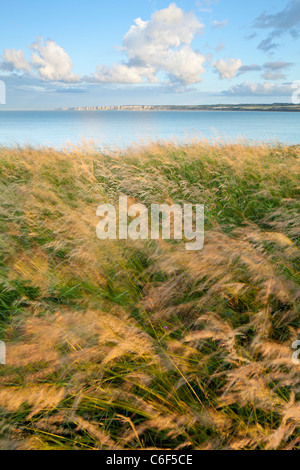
(81, 53)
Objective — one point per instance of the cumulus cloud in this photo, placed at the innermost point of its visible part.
(124, 73)
(49, 61)
(13, 59)
(259, 89)
(227, 69)
(160, 45)
(52, 61)
(285, 21)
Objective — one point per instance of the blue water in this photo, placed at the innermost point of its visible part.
(108, 129)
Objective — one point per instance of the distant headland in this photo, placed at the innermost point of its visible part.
(218, 107)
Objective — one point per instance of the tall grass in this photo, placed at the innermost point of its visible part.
(141, 344)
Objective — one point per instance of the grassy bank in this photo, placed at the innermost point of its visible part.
(141, 344)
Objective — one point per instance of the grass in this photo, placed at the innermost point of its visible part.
(141, 344)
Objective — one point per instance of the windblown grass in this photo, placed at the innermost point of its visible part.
(141, 344)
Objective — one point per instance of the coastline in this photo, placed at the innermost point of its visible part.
(285, 107)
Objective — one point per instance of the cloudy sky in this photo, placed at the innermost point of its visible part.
(93, 52)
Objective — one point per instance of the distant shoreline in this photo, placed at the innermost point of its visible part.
(276, 107)
(280, 107)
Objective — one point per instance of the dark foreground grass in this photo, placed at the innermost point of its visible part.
(141, 344)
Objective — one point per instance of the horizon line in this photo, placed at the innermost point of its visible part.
(104, 107)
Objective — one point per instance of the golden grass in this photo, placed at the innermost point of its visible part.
(141, 344)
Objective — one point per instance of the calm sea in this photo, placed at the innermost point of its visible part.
(108, 129)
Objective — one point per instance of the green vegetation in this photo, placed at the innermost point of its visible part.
(141, 344)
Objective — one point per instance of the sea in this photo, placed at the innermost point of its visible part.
(122, 129)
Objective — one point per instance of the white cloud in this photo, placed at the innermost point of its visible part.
(205, 5)
(184, 65)
(219, 24)
(13, 59)
(167, 28)
(259, 89)
(161, 44)
(52, 61)
(49, 60)
(123, 74)
(227, 68)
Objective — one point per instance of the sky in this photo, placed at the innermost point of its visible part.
(72, 53)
